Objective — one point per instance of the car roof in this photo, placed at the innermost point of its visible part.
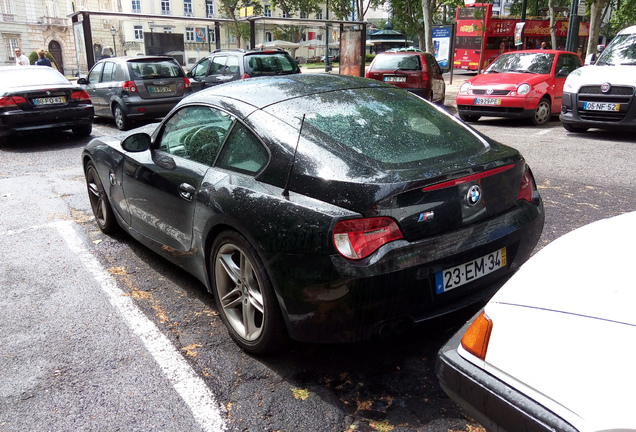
(540, 51)
(264, 91)
(628, 30)
(136, 58)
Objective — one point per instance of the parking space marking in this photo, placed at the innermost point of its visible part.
(205, 409)
(544, 131)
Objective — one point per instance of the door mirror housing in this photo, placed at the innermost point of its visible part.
(563, 73)
(136, 143)
(82, 81)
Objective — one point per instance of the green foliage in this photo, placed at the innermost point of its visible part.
(33, 57)
(289, 33)
(230, 9)
(533, 6)
(625, 16)
(293, 7)
(368, 58)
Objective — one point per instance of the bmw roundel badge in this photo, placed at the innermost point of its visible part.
(473, 196)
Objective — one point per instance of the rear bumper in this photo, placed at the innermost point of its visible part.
(331, 299)
(496, 405)
(138, 108)
(60, 118)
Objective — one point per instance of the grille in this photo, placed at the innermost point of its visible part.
(492, 109)
(494, 92)
(614, 90)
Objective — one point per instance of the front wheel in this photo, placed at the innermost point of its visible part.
(244, 295)
(542, 112)
(121, 121)
(83, 130)
(99, 201)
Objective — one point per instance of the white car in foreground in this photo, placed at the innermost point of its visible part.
(555, 348)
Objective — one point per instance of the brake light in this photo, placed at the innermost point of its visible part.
(245, 76)
(359, 238)
(477, 337)
(186, 82)
(129, 86)
(527, 186)
(81, 96)
(7, 102)
(19, 100)
(467, 179)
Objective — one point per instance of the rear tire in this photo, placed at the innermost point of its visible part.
(121, 121)
(570, 128)
(244, 295)
(102, 210)
(83, 131)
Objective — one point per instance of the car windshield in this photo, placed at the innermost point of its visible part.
(622, 51)
(535, 63)
(141, 69)
(389, 126)
(29, 76)
(269, 64)
(397, 61)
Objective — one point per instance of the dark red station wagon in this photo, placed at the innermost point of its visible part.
(415, 71)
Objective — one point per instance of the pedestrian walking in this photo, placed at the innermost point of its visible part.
(43, 61)
(21, 59)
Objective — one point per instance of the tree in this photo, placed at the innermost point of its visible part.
(596, 9)
(230, 8)
(625, 16)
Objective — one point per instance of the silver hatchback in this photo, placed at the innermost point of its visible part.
(135, 88)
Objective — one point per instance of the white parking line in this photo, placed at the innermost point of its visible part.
(544, 131)
(205, 409)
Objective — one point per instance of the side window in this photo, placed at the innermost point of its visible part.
(201, 69)
(195, 133)
(232, 66)
(120, 73)
(243, 152)
(95, 73)
(218, 65)
(109, 68)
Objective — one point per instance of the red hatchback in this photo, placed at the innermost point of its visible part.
(415, 71)
(526, 84)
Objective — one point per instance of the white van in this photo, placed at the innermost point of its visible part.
(602, 95)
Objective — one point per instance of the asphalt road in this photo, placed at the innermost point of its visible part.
(98, 333)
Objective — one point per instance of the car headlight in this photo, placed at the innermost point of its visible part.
(523, 89)
(572, 82)
(464, 88)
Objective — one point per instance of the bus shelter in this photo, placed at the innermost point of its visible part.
(100, 34)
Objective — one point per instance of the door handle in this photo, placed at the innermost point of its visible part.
(186, 191)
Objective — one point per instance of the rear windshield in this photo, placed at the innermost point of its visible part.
(397, 61)
(622, 51)
(31, 75)
(142, 69)
(269, 64)
(384, 126)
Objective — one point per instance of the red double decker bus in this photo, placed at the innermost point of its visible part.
(482, 35)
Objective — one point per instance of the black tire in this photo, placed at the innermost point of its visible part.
(542, 113)
(244, 295)
(83, 130)
(99, 201)
(468, 118)
(570, 128)
(121, 121)
(442, 100)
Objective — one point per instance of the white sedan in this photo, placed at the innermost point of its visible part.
(555, 348)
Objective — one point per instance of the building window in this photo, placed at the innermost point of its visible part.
(189, 34)
(167, 29)
(187, 7)
(12, 44)
(268, 37)
(232, 39)
(285, 14)
(165, 7)
(7, 6)
(212, 35)
(136, 6)
(319, 15)
(51, 8)
(268, 11)
(304, 15)
(209, 8)
(139, 32)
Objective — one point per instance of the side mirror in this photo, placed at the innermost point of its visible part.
(563, 73)
(189, 74)
(136, 143)
(82, 81)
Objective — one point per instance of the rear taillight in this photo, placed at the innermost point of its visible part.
(527, 186)
(81, 96)
(19, 100)
(129, 86)
(7, 102)
(477, 337)
(186, 83)
(245, 76)
(359, 238)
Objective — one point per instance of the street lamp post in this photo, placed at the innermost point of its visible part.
(113, 30)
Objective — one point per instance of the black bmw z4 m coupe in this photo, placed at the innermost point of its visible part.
(320, 208)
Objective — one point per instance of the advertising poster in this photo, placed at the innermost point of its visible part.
(519, 33)
(200, 34)
(442, 45)
(350, 53)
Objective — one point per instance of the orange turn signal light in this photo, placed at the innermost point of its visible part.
(476, 338)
